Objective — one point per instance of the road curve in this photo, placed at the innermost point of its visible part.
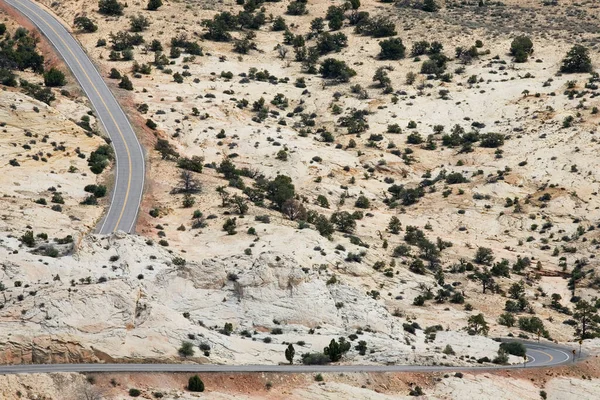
(539, 355)
(130, 168)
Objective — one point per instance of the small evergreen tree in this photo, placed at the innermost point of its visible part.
(521, 47)
(289, 353)
(54, 77)
(336, 350)
(195, 384)
(577, 60)
(476, 325)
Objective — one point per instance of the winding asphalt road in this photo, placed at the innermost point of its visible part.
(130, 168)
(122, 214)
(539, 355)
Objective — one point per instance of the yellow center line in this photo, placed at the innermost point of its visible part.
(105, 106)
(547, 354)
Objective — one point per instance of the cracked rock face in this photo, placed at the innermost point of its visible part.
(117, 298)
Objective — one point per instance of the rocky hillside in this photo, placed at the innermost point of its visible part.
(410, 178)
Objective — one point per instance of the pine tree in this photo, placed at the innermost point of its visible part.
(195, 384)
(289, 353)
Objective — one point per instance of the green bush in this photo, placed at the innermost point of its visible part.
(191, 164)
(154, 5)
(134, 392)
(110, 7)
(195, 384)
(85, 24)
(28, 239)
(315, 359)
(392, 49)
(336, 70)
(297, 7)
(521, 47)
(54, 77)
(100, 158)
(186, 349)
(37, 92)
(514, 348)
(126, 83)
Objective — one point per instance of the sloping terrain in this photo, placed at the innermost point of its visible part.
(423, 197)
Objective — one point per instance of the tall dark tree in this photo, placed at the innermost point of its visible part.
(485, 278)
(289, 353)
(280, 189)
(588, 320)
(187, 183)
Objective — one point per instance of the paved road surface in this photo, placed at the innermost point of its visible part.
(539, 356)
(129, 175)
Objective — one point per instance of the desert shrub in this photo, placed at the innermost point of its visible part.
(138, 23)
(100, 158)
(279, 24)
(514, 348)
(577, 60)
(191, 164)
(327, 43)
(85, 24)
(377, 27)
(521, 47)
(126, 83)
(491, 140)
(297, 7)
(336, 70)
(315, 359)
(336, 350)
(154, 5)
(110, 7)
(28, 239)
(392, 49)
(429, 6)
(186, 349)
(37, 92)
(533, 325)
(54, 77)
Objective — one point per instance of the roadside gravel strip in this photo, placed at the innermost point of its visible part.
(130, 168)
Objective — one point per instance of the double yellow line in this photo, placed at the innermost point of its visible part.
(105, 106)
